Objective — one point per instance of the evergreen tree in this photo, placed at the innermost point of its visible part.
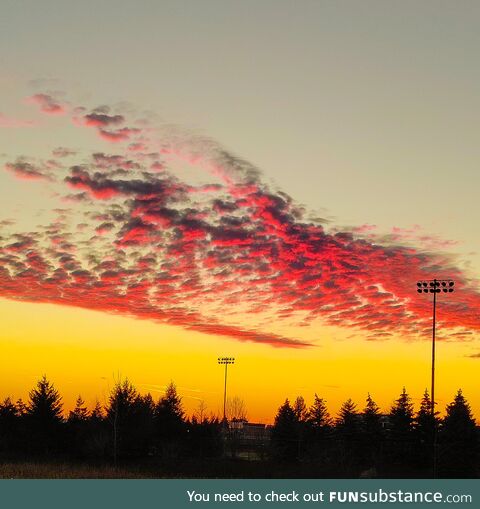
(401, 416)
(98, 437)
(424, 431)
(401, 428)
(77, 427)
(126, 413)
(301, 413)
(372, 435)
(285, 433)
(318, 415)
(348, 431)
(44, 417)
(371, 417)
(45, 403)
(458, 439)
(8, 424)
(347, 419)
(169, 422)
(21, 408)
(80, 412)
(169, 413)
(96, 415)
(318, 432)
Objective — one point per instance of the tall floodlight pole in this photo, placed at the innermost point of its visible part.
(434, 286)
(226, 361)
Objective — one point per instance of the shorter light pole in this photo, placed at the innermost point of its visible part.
(226, 361)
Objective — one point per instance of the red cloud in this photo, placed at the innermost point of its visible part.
(211, 256)
(26, 171)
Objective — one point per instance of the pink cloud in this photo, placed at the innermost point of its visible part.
(48, 104)
(194, 255)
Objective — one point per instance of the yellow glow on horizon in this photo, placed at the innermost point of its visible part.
(85, 351)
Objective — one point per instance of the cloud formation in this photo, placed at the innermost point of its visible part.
(47, 104)
(177, 229)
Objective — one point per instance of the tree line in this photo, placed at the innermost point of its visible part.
(130, 425)
(306, 440)
(400, 442)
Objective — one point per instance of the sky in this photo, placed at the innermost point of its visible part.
(265, 180)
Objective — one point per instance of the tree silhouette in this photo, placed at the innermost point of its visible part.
(99, 433)
(96, 414)
(8, 424)
(77, 426)
(130, 416)
(236, 409)
(371, 416)
(424, 431)
(318, 416)
(401, 427)
(169, 422)
(372, 435)
(348, 432)
(44, 416)
(45, 403)
(21, 407)
(347, 419)
(459, 441)
(80, 412)
(401, 416)
(285, 433)
(300, 409)
(135, 427)
(319, 426)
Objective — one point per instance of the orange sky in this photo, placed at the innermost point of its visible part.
(364, 113)
(84, 351)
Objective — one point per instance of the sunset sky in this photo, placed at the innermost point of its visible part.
(265, 180)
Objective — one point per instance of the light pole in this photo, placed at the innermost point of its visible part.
(434, 286)
(226, 361)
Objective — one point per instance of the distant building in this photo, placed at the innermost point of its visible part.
(247, 440)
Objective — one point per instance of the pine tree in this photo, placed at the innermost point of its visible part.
(459, 440)
(21, 408)
(80, 412)
(45, 403)
(44, 417)
(124, 413)
(347, 419)
(318, 415)
(169, 411)
(8, 424)
(347, 427)
(371, 416)
(401, 428)
(424, 422)
(96, 415)
(401, 416)
(169, 422)
(318, 430)
(371, 434)
(285, 433)
(424, 431)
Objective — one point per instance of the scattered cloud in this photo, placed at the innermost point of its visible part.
(222, 253)
(47, 104)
